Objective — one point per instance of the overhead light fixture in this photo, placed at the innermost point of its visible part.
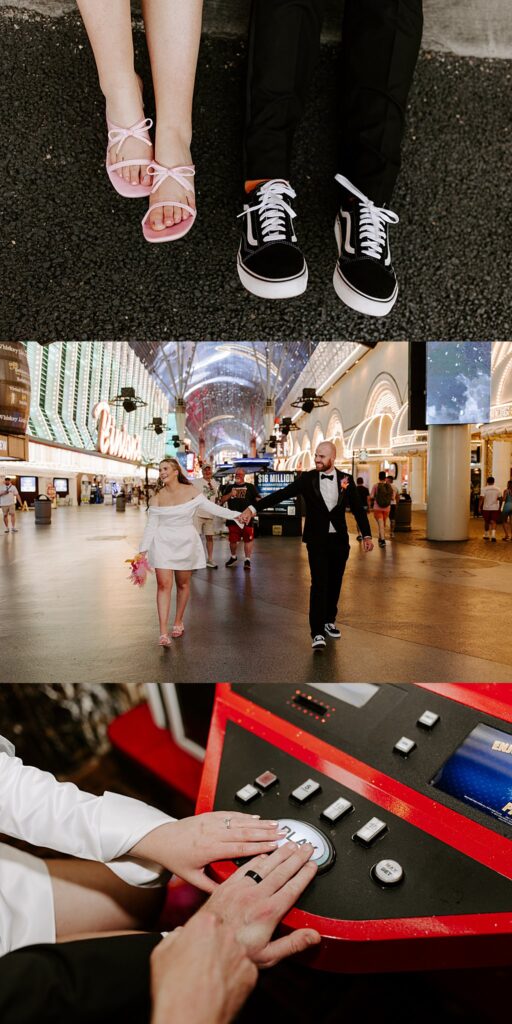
(156, 425)
(128, 399)
(309, 400)
(286, 425)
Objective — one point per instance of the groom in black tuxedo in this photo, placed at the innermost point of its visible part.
(327, 493)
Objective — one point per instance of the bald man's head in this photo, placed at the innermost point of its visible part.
(325, 456)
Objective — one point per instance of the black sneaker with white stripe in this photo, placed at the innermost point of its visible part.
(270, 263)
(364, 278)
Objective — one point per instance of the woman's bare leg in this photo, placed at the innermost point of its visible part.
(182, 594)
(89, 898)
(173, 33)
(164, 579)
(109, 28)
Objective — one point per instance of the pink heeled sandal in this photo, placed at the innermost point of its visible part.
(177, 631)
(165, 640)
(182, 176)
(116, 137)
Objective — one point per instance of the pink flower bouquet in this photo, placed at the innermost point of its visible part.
(140, 568)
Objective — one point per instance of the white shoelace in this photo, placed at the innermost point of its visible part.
(372, 232)
(273, 208)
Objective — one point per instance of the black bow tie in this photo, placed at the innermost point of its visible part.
(323, 476)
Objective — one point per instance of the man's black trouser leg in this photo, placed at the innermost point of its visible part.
(284, 42)
(327, 561)
(380, 46)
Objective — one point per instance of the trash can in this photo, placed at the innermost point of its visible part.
(120, 503)
(403, 516)
(43, 510)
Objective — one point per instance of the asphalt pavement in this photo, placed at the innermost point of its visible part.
(76, 266)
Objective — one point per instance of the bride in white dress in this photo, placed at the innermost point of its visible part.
(172, 543)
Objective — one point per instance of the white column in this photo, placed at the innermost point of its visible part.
(449, 455)
(417, 481)
(181, 417)
(501, 462)
(269, 416)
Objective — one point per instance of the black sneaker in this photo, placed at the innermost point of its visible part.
(382, 543)
(270, 263)
(318, 642)
(332, 630)
(364, 278)
(231, 561)
(247, 564)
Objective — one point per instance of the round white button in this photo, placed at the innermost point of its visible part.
(387, 872)
(301, 832)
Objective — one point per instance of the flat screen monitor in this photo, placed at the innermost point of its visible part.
(356, 694)
(479, 773)
(61, 485)
(28, 484)
(458, 382)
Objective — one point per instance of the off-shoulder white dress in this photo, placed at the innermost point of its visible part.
(35, 807)
(171, 539)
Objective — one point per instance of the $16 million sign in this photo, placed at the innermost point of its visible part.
(111, 439)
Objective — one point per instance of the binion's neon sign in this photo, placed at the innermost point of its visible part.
(111, 439)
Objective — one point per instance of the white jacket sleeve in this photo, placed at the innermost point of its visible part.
(217, 510)
(149, 533)
(37, 808)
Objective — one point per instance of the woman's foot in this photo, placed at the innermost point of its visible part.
(124, 109)
(165, 640)
(172, 150)
(177, 630)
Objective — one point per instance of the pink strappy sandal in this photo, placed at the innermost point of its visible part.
(182, 176)
(116, 137)
(177, 631)
(165, 640)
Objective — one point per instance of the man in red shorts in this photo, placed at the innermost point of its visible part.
(238, 498)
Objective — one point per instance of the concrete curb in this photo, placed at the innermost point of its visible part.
(467, 28)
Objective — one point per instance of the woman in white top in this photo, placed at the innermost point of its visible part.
(125, 848)
(172, 543)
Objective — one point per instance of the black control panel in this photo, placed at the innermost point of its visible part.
(373, 864)
(404, 731)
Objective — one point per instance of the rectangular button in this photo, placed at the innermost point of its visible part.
(305, 791)
(428, 720)
(404, 746)
(266, 780)
(338, 809)
(371, 831)
(247, 793)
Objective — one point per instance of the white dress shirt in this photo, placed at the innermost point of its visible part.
(38, 809)
(329, 491)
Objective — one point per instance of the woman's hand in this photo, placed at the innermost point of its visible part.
(186, 847)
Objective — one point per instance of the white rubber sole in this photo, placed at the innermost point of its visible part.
(354, 299)
(264, 289)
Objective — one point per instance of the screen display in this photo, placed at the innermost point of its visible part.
(267, 483)
(28, 484)
(480, 773)
(356, 694)
(60, 484)
(458, 382)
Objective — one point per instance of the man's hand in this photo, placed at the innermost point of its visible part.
(255, 909)
(200, 974)
(367, 544)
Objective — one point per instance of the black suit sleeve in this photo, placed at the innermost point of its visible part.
(354, 502)
(272, 500)
(92, 981)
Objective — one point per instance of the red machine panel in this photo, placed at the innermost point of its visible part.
(406, 791)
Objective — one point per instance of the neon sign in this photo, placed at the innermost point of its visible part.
(111, 439)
